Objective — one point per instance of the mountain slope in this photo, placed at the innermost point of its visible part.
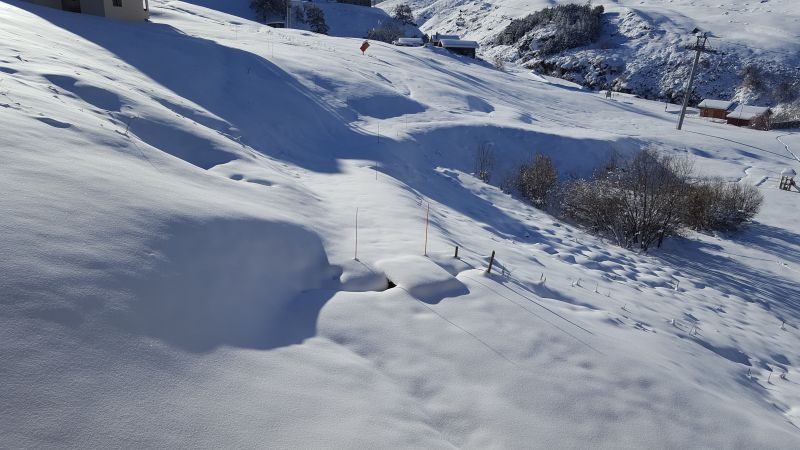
(178, 236)
(641, 48)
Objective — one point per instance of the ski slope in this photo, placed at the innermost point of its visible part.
(180, 201)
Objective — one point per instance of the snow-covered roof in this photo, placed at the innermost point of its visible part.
(715, 104)
(438, 37)
(788, 172)
(458, 43)
(408, 41)
(747, 112)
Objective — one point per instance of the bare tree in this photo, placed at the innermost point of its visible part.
(484, 161)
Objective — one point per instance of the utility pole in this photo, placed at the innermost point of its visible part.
(699, 47)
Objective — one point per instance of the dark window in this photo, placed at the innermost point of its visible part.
(118, 3)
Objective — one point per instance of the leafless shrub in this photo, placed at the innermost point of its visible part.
(499, 63)
(716, 205)
(484, 162)
(536, 180)
(637, 203)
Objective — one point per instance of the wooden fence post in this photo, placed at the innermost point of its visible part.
(427, 215)
(356, 253)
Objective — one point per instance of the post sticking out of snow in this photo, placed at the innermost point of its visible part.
(128, 124)
(456, 255)
(356, 253)
(677, 283)
(427, 215)
(491, 262)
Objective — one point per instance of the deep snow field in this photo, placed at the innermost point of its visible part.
(177, 238)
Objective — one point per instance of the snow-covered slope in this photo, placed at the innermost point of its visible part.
(641, 47)
(178, 227)
(343, 19)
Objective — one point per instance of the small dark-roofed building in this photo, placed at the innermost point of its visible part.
(750, 116)
(436, 39)
(716, 109)
(466, 48)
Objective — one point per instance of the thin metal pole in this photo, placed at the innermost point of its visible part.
(491, 262)
(700, 47)
(427, 215)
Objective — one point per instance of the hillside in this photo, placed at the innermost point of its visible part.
(184, 199)
(343, 20)
(641, 47)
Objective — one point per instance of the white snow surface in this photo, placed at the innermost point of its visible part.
(177, 245)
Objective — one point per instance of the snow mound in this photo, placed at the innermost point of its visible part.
(422, 278)
(359, 277)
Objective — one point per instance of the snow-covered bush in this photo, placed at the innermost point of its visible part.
(716, 205)
(403, 14)
(499, 63)
(268, 8)
(555, 29)
(637, 203)
(316, 19)
(536, 180)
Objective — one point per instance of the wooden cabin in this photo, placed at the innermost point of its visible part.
(715, 109)
(461, 47)
(750, 116)
(133, 10)
(436, 39)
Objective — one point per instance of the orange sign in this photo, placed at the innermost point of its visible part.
(364, 47)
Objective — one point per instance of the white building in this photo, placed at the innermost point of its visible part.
(137, 10)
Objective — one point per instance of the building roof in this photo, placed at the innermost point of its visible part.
(715, 104)
(788, 172)
(458, 43)
(438, 37)
(408, 41)
(747, 112)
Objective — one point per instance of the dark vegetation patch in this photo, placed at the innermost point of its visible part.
(555, 29)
